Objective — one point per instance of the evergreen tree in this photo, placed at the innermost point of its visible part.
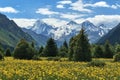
(23, 50)
(41, 51)
(65, 44)
(82, 49)
(1, 56)
(108, 53)
(32, 44)
(98, 52)
(51, 49)
(117, 48)
(71, 48)
(63, 51)
(8, 52)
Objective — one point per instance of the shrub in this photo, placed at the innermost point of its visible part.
(96, 63)
(1, 56)
(116, 57)
(53, 58)
(8, 53)
(36, 57)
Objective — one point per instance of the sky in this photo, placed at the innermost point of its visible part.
(60, 12)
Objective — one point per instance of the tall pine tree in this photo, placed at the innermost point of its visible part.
(82, 47)
(51, 49)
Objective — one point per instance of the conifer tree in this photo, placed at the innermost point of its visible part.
(41, 51)
(8, 52)
(51, 49)
(108, 53)
(82, 49)
(98, 52)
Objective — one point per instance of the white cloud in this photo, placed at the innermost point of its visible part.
(101, 4)
(23, 22)
(8, 10)
(79, 6)
(71, 16)
(54, 21)
(65, 2)
(46, 11)
(60, 6)
(108, 20)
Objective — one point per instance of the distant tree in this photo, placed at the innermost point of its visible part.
(71, 49)
(8, 52)
(63, 51)
(108, 53)
(32, 44)
(23, 50)
(41, 51)
(51, 49)
(98, 52)
(65, 44)
(117, 48)
(1, 56)
(81, 47)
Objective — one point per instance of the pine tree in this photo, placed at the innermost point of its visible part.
(32, 44)
(51, 49)
(71, 49)
(108, 53)
(98, 52)
(82, 49)
(8, 52)
(41, 51)
(65, 44)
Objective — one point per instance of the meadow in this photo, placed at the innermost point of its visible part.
(13, 69)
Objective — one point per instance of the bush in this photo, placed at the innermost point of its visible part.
(1, 56)
(36, 57)
(116, 57)
(53, 58)
(96, 63)
(8, 53)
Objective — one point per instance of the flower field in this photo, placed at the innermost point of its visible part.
(11, 69)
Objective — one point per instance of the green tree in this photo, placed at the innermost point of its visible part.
(98, 52)
(71, 49)
(41, 51)
(63, 51)
(23, 50)
(82, 49)
(108, 53)
(32, 44)
(8, 52)
(1, 56)
(51, 49)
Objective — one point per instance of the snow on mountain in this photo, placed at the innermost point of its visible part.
(70, 29)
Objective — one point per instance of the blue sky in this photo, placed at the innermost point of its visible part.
(59, 12)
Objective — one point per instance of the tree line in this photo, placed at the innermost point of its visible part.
(78, 49)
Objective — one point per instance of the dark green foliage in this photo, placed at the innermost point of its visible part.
(96, 63)
(23, 50)
(98, 52)
(1, 56)
(36, 57)
(32, 44)
(41, 51)
(51, 49)
(63, 51)
(108, 53)
(8, 52)
(71, 49)
(82, 47)
(116, 57)
(117, 48)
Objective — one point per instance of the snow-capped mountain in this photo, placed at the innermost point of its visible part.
(69, 30)
(40, 27)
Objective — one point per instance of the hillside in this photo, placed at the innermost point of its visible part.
(10, 33)
(113, 36)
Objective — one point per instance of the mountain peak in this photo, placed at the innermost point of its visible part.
(72, 23)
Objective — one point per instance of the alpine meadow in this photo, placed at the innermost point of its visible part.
(60, 40)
